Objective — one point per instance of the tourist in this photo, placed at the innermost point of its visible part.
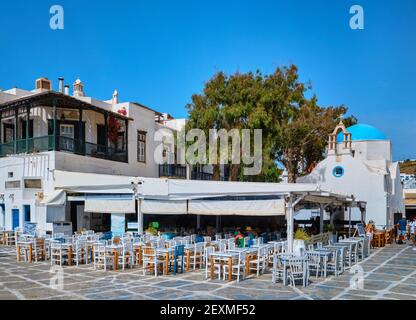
(401, 229)
(413, 232)
(369, 230)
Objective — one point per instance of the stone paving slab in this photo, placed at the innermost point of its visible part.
(389, 273)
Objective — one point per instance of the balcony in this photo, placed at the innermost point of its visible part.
(47, 143)
(177, 171)
(172, 171)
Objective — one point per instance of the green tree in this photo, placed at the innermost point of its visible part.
(294, 128)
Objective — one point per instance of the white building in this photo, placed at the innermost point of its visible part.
(44, 130)
(359, 161)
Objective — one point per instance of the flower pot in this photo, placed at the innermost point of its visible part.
(299, 247)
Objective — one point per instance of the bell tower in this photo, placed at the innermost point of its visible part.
(346, 147)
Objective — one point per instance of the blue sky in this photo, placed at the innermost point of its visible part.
(160, 52)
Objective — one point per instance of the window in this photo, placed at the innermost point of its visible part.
(10, 175)
(33, 184)
(338, 172)
(12, 184)
(141, 146)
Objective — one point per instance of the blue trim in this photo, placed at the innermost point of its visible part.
(338, 172)
(363, 132)
(15, 219)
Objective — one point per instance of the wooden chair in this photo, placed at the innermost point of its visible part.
(379, 240)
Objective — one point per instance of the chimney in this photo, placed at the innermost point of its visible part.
(43, 84)
(115, 97)
(61, 84)
(67, 90)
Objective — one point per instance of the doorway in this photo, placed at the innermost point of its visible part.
(15, 219)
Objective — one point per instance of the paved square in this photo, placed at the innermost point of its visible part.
(389, 273)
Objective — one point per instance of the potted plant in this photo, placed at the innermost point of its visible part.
(299, 241)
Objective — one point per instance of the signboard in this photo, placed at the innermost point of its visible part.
(360, 229)
(118, 224)
(29, 228)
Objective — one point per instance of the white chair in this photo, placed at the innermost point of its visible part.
(297, 271)
(197, 255)
(100, 256)
(208, 262)
(259, 264)
(151, 260)
(314, 262)
(238, 267)
(80, 251)
(126, 256)
(58, 255)
(333, 264)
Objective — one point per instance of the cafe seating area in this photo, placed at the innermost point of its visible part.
(221, 257)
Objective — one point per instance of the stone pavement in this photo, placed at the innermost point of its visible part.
(389, 273)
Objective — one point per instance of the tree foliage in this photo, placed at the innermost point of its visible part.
(294, 128)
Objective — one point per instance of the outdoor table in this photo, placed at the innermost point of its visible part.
(250, 254)
(349, 246)
(223, 256)
(166, 252)
(284, 258)
(341, 256)
(358, 243)
(324, 253)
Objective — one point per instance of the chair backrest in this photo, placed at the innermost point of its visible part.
(296, 265)
(208, 251)
(149, 252)
(207, 239)
(319, 245)
(310, 247)
(218, 236)
(179, 250)
(314, 257)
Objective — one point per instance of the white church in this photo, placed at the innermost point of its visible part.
(359, 161)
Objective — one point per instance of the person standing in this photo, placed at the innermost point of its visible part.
(401, 229)
(413, 232)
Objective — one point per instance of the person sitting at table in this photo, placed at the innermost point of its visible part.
(239, 238)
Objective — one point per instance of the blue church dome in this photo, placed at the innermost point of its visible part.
(360, 132)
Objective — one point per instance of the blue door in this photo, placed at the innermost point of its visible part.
(3, 215)
(15, 218)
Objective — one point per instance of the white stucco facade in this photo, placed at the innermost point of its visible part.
(17, 170)
(364, 168)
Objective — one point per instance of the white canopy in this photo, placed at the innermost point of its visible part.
(79, 182)
(110, 204)
(55, 198)
(274, 207)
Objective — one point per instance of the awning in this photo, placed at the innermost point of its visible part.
(163, 207)
(110, 204)
(56, 198)
(274, 207)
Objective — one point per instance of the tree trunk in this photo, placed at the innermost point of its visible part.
(235, 172)
(216, 172)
